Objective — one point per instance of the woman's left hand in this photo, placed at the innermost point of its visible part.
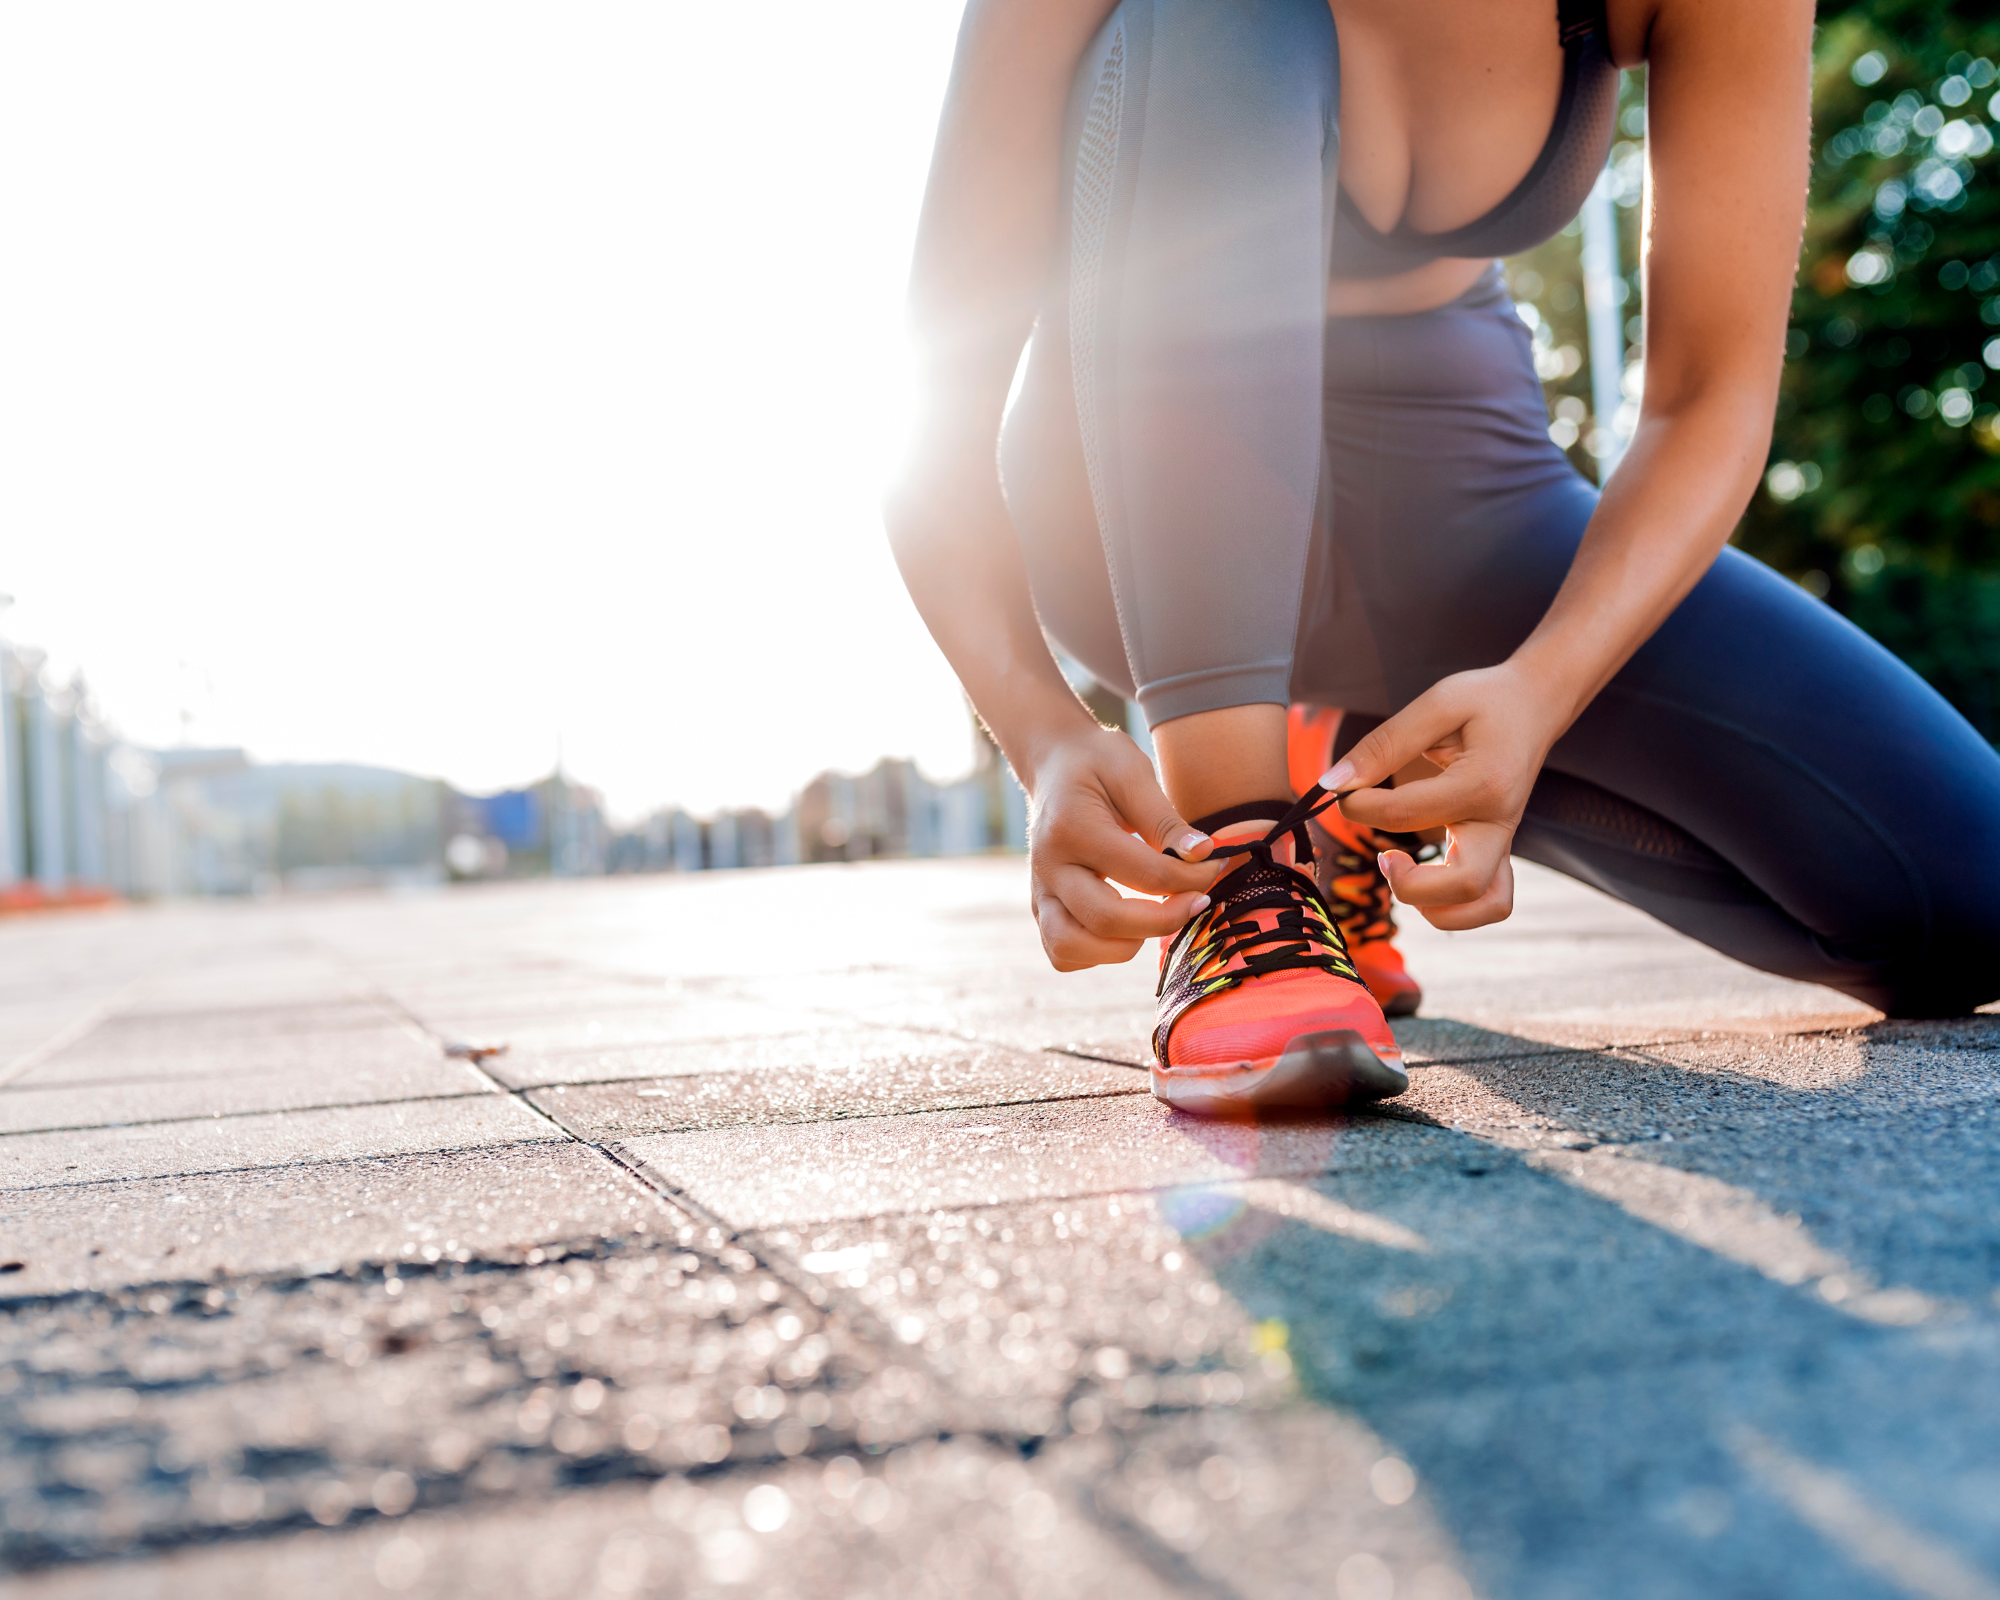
(1489, 731)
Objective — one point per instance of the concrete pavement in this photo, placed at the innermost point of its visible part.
(799, 1233)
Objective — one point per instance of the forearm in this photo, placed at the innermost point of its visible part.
(985, 242)
(1664, 517)
(962, 564)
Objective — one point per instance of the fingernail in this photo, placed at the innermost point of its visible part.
(1201, 902)
(1337, 777)
(1190, 842)
(1382, 862)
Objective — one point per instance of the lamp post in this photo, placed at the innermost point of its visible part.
(1605, 319)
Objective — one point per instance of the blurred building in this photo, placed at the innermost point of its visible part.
(674, 841)
(212, 822)
(556, 828)
(85, 816)
(55, 777)
(894, 810)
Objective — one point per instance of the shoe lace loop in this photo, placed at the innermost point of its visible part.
(1302, 931)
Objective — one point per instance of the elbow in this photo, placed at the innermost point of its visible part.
(1732, 418)
(1739, 395)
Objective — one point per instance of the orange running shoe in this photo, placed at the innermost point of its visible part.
(1347, 871)
(1260, 1006)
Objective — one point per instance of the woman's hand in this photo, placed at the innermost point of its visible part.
(1093, 791)
(1489, 731)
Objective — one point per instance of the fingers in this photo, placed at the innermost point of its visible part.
(1084, 835)
(1105, 913)
(1495, 905)
(1472, 886)
(1145, 809)
(1468, 790)
(1112, 853)
(1096, 835)
(1381, 753)
(1071, 946)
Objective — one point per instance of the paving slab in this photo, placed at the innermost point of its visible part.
(1665, 1279)
(1573, 966)
(1573, 1377)
(791, 1175)
(249, 964)
(1058, 1317)
(590, 1028)
(961, 1518)
(1297, 1502)
(496, 1202)
(1025, 1006)
(60, 973)
(859, 1078)
(832, 1048)
(274, 1035)
(227, 1144)
(395, 1069)
(166, 1415)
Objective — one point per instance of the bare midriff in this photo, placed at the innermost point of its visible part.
(1435, 283)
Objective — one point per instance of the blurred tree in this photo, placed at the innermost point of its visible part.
(1883, 491)
(1547, 283)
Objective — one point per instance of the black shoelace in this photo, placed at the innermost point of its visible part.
(1303, 932)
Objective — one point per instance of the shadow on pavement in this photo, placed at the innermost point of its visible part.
(1730, 1332)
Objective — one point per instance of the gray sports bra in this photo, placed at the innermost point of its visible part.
(1542, 202)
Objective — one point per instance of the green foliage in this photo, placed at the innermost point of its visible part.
(1883, 492)
(1550, 279)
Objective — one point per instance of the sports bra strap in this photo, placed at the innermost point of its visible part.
(1576, 20)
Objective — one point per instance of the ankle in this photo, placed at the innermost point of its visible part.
(1213, 761)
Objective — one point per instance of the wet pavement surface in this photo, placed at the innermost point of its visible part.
(586, 1239)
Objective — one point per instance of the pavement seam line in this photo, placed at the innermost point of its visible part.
(80, 1026)
(274, 1166)
(866, 1323)
(233, 1116)
(650, 1181)
(857, 1116)
(1166, 1563)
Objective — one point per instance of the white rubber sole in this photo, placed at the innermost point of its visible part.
(1317, 1072)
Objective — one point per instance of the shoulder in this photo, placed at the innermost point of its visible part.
(1635, 29)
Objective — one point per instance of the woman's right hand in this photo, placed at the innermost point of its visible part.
(1093, 791)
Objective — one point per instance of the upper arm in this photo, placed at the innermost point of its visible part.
(1728, 133)
(990, 214)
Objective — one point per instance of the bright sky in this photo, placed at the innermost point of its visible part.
(422, 384)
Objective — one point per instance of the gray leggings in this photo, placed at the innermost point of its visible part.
(1226, 499)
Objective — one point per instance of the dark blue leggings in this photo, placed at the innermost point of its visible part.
(1227, 499)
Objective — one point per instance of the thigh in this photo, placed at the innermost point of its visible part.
(1169, 413)
(1826, 814)
(1820, 767)
(1047, 486)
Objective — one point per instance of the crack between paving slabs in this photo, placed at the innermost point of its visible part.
(267, 1166)
(231, 1116)
(807, 1284)
(85, 1023)
(1161, 1558)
